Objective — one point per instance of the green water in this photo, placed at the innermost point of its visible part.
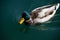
(11, 11)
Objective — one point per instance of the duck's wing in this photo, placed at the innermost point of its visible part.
(36, 11)
(41, 11)
(47, 12)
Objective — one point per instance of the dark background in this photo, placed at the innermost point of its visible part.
(11, 11)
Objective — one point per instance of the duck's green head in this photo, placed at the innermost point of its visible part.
(25, 16)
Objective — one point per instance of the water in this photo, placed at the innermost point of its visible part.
(11, 11)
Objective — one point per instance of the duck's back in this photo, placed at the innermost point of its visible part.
(45, 14)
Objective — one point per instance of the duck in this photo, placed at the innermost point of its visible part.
(40, 14)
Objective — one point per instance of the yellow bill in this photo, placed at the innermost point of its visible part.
(21, 21)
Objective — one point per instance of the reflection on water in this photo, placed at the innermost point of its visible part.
(45, 27)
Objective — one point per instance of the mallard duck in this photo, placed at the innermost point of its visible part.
(41, 14)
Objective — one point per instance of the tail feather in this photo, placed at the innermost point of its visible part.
(57, 6)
